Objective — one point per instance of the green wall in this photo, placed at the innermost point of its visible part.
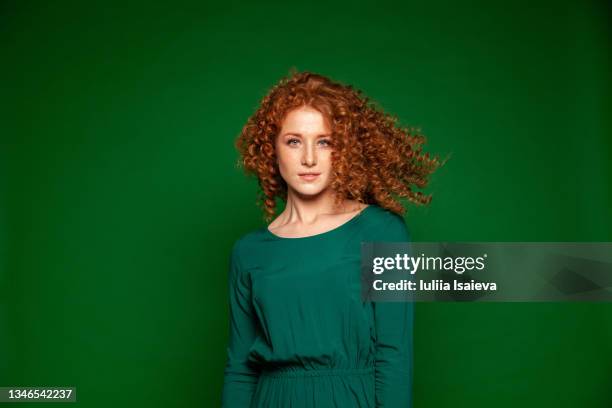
(120, 199)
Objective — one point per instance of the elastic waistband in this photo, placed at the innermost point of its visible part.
(293, 371)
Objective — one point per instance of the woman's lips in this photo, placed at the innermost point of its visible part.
(309, 176)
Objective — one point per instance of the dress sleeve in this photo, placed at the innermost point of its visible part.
(394, 330)
(240, 376)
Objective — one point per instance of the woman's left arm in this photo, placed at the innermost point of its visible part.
(394, 343)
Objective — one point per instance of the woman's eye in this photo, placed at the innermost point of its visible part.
(295, 142)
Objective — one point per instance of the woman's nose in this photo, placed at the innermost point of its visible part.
(310, 157)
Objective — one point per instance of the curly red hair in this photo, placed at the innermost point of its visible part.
(373, 160)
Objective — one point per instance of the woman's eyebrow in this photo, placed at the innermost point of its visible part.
(300, 135)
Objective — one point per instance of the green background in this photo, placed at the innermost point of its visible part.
(120, 199)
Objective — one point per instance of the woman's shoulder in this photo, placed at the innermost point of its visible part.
(249, 237)
(386, 225)
(240, 250)
(383, 215)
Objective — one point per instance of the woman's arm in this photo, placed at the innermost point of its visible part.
(241, 377)
(394, 327)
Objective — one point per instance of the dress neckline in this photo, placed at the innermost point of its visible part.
(322, 234)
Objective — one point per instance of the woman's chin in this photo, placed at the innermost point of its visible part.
(308, 191)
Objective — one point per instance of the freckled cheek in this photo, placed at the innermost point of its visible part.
(290, 159)
(326, 161)
(288, 164)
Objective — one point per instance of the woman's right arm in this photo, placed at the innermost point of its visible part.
(240, 379)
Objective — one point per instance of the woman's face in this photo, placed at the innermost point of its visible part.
(303, 147)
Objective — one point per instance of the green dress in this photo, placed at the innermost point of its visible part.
(300, 335)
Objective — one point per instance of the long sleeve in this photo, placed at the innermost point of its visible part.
(240, 376)
(394, 342)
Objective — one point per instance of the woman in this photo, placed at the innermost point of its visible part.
(300, 334)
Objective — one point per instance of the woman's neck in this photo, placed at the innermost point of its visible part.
(307, 210)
